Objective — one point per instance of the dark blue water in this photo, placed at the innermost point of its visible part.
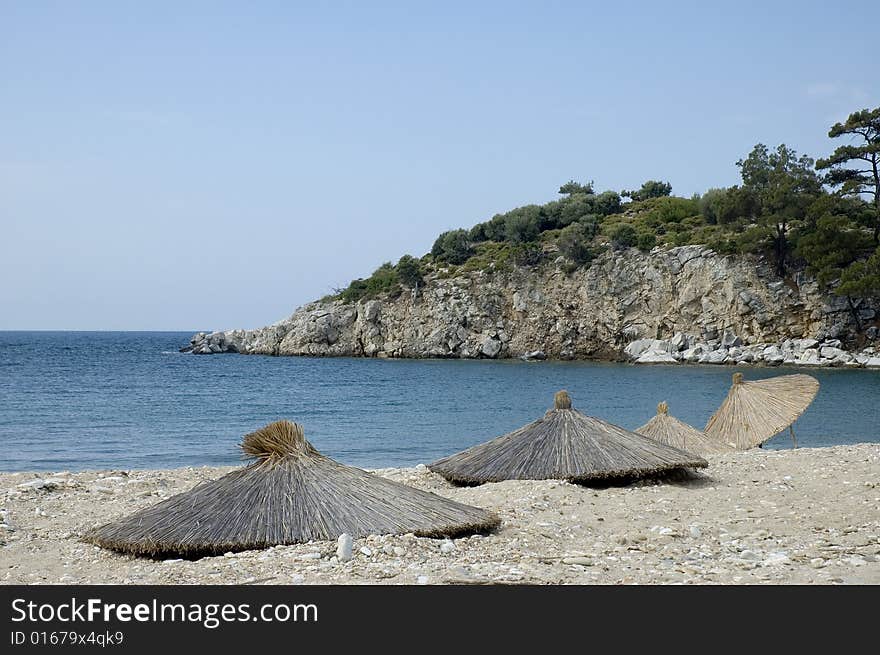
(92, 400)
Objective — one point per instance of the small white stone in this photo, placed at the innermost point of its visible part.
(422, 579)
(343, 547)
(696, 533)
(310, 556)
(446, 546)
(400, 551)
(776, 558)
(366, 551)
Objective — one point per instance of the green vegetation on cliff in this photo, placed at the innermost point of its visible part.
(785, 209)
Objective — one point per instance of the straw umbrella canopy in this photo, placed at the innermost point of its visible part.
(756, 410)
(564, 445)
(289, 494)
(670, 431)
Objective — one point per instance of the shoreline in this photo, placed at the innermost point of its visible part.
(681, 349)
(804, 515)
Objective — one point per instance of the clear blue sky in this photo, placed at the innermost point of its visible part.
(206, 165)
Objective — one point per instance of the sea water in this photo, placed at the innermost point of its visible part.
(98, 400)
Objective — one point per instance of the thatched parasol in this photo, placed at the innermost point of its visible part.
(289, 494)
(670, 431)
(564, 445)
(755, 411)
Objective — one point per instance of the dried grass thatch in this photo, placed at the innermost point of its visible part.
(755, 411)
(670, 431)
(564, 445)
(289, 494)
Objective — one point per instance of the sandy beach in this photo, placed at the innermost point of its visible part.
(759, 517)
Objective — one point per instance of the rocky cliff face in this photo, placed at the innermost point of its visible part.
(688, 293)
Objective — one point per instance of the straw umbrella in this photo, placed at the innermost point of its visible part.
(670, 431)
(756, 410)
(564, 445)
(289, 494)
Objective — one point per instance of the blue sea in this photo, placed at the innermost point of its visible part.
(98, 400)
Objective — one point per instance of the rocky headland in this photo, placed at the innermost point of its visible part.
(671, 305)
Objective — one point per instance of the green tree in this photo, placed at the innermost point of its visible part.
(607, 203)
(645, 241)
(783, 186)
(624, 236)
(567, 211)
(452, 247)
(571, 187)
(409, 271)
(727, 206)
(383, 280)
(862, 279)
(831, 247)
(864, 179)
(527, 254)
(522, 224)
(575, 241)
(650, 189)
(712, 205)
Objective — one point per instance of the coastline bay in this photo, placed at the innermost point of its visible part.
(102, 400)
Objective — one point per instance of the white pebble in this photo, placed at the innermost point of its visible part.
(343, 547)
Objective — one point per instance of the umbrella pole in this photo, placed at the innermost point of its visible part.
(793, 438)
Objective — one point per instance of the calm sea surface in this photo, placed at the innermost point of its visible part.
(93, 400)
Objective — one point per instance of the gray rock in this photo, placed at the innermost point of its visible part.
(491, 347)
(810, 357)
(656, 357)
(679, 342)
(638, 347)
(714, 357)
(829, 352)
(693, 354)
(730, 339)
(533, 356)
